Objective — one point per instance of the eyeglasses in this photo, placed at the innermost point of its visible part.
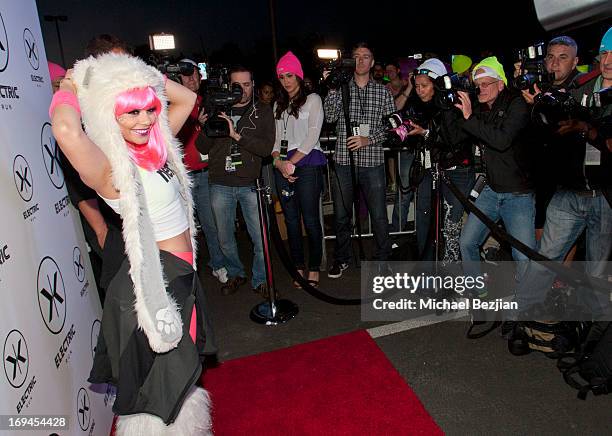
(485, 85)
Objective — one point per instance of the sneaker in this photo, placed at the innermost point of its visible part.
(232, 285)
(335, 272)
(220, 274)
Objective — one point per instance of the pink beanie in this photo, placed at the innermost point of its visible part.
(55, 71)
(289, 63)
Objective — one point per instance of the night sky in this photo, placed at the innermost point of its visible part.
(239, 31)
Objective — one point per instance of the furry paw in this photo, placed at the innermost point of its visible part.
(168, 324)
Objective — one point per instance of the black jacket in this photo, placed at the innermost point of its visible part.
(563, 156)
(502, 134)
(257, 131)
(449, 145)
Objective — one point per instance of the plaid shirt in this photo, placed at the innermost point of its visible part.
(368, 105)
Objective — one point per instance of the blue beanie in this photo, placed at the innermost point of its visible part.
(606, 42)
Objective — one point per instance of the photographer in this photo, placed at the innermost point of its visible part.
(198, 170)
(561, 152)
(234, 165)
(440, 143)
(369, 102)
(580, 201)
(498, 123)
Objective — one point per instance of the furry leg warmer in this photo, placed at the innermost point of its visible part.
(192, 420)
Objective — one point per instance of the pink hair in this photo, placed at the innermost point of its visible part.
(153, 155)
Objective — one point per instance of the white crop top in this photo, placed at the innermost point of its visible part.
(163, 198)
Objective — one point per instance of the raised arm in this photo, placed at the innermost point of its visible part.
(85, 156)
(181, 101)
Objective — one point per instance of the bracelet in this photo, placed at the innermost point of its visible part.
(64, 97)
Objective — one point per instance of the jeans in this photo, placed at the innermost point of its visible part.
(201, 200)
(301, 199)
(401, 209)
(568, 214)
(223, 200)
(371, 181)
(517, 211)
(463, 178)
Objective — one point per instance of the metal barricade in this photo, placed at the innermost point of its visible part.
(326, 205)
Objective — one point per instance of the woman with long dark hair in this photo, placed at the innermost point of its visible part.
(441, 145)
(299, 163)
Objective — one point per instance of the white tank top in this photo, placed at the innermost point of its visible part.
(163, 199)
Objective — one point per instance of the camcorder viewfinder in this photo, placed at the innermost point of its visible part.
(202, 69)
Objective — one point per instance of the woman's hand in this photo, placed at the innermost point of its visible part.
(286, 168)
(416, 129)
(67, 83)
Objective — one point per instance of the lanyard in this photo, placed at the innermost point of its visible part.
(357, 90)
(285, 123)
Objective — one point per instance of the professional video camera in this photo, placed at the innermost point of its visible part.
(532, 70)
(550, 108)
(446, 90)
(220, 97)
(173, 70)
(162, 46)
(340, 70)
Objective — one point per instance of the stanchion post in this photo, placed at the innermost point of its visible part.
(273, 311)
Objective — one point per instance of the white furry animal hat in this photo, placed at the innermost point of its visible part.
(99, 81)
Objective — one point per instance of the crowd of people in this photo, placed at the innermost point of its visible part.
(141, 192)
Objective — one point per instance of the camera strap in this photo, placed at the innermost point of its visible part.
(357, 93)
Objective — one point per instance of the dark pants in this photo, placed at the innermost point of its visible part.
(300, 200)
(371, 181)
(463, 178)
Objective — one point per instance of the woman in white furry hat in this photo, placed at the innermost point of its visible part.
(150, 336)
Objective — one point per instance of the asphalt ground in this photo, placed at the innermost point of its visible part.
(470, 387)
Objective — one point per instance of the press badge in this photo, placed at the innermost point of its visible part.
(229, 165)
(364, 130)
(592, 155)
(203, 157)
(427, 163)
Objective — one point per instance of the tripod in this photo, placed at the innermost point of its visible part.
(346, 95)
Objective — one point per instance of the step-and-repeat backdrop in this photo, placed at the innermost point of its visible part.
(50, 310)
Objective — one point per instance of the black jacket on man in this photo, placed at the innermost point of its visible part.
(564, 155)
(257, 130)
(501, 131)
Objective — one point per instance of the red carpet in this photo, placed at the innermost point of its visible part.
(343, 385)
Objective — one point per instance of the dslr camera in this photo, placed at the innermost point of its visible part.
(551, 107)
(533, 70)
(220, 97)
(398, 124)
(447, 87)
